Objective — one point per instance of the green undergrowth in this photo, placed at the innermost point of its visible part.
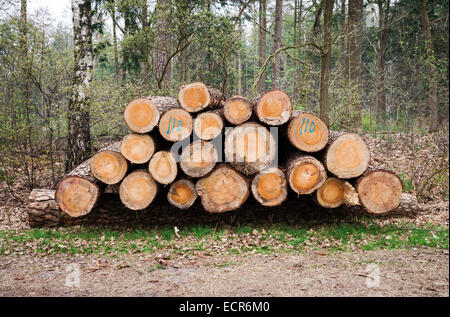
(239, 240)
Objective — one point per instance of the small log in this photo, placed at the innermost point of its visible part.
(175, 125)
(138, 190)
(197, 96)
(43, 210)
(250, 148)
(137, 148)
(379, 191)
(224, 189)
(335, 192)
(142, 115)
(109, 166)
(237, 109)
(307, 132)
(182, 194)
(198, 159)
(163, 167)
(269, 187)
(305, 174)
(208, 125)
(274, 107)
(346, 155)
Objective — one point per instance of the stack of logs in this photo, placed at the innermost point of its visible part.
(267, 150)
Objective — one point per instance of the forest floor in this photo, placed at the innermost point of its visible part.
(280, 254)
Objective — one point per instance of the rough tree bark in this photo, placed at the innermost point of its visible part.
(277, 43)
(79, 139)
(163, 41)
(262, 43)
(383, 12)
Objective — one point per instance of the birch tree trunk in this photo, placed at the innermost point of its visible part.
(383, 11)
(79, 140)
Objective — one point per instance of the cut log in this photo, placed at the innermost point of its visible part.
(175, 125)
(336, 192)
(305, 174)
(208, 125)
(137, 148)
(307, 132)
(274, 107)
(379, 191)
(43, 210)
(109, 167)
(197, 96)
(198, 159)
(250, 148)
(237, 109)
(138, 190)
(182, 194)
(163, 167)
(224, 189)
(346, 155)
(269, 187)
(78, 192)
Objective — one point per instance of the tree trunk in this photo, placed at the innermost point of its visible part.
(269, 187)
(305, 173)
(208, 125)
(262, 44)
(355, 14)
(182, 194)
(344, 56)
(197, 96)
(307, 132)
(163, 167)
(237, 109)
(296, 96)
(138, 190)
(115, 50)
(79, 139)
(137, 148)
(273, 107)
(326, 56)
(224, 189)
(198, 159)
(163, 11)
(277, 44)
(250, 148)
(432, 73)
(383, 11)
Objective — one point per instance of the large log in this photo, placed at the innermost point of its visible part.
(274, 107)
(137, 148)
(379, 191)
(182, 193)
(138, 190)
(346, 155)
(198, 159)
(208, 125)
(143, 114)
(224, 189)
(237, 110)
(163, 167)
(305, 173)
(108, 165)
(307, 132)
(335, 192)
(250, 148)
(175, 125)
(197, 96)
(269, 187)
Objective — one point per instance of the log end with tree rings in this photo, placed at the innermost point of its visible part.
(379, 191)
(223, 189)
(274, 107)
(137, 190)
(109, 167)
(76, 196)
(208, 125)
(182, 194)
(347, 156)
(198, 159)
(305, 174)
(141, 115)
(194, 97)
(269, 187)
(137, 148)
(250, 148)
(307, 132)
(175, 125)
(237, 109)
(163, 167)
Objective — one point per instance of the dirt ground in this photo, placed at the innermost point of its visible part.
(416, 272)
